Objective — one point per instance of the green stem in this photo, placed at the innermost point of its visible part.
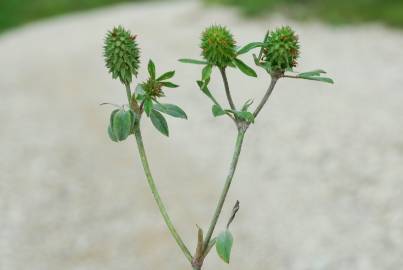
(128, 92)
(156, 195)
(266, 96)
(226, 86)
(234, 162)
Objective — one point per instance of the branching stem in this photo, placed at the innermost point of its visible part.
(242, 127)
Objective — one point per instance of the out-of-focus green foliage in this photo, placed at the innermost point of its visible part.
(334, 11)
(17, 12)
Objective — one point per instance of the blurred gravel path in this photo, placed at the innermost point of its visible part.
(320, 179)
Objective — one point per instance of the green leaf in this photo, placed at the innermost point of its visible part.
(169, 84)
(244, 68)
(159, 122)
(224, 245)
(204, 89)
(247, 116)
(206, 73)
(151, 69)
(166, 75)
(317, 78)
(247, 104)
(170, 109)
(244, 115)
(249, 47)
(122, 124)
(217, 110)
(315, 72)
(193, 61)
(111, 135)
(148, 106)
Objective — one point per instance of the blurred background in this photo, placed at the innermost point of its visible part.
(320, 177)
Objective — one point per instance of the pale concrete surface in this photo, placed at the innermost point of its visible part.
(320, 178)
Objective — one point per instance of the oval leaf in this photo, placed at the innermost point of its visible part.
(245, 68)
(170, 109)
(166, 75)
(159, 122)
(224, 245)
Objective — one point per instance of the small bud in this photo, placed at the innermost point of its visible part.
(122, 55)
(153, 88)
(218, 46)
(121, 124)
(281, 50)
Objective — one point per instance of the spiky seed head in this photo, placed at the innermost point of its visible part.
(153, 88)
(122, 55)
(218, 46)
(281, 50)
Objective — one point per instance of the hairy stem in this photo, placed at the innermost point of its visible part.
(266, 96)
(156, 195)
(234, 162)
(227, 91)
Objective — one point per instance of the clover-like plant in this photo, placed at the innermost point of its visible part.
(277, 55)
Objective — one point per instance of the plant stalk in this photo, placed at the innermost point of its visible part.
(234, 162)
(226, 86)
(266, 96)
(157, 196)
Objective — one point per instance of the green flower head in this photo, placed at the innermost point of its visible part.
(122, 55)
(281, 50)
(218, 46)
